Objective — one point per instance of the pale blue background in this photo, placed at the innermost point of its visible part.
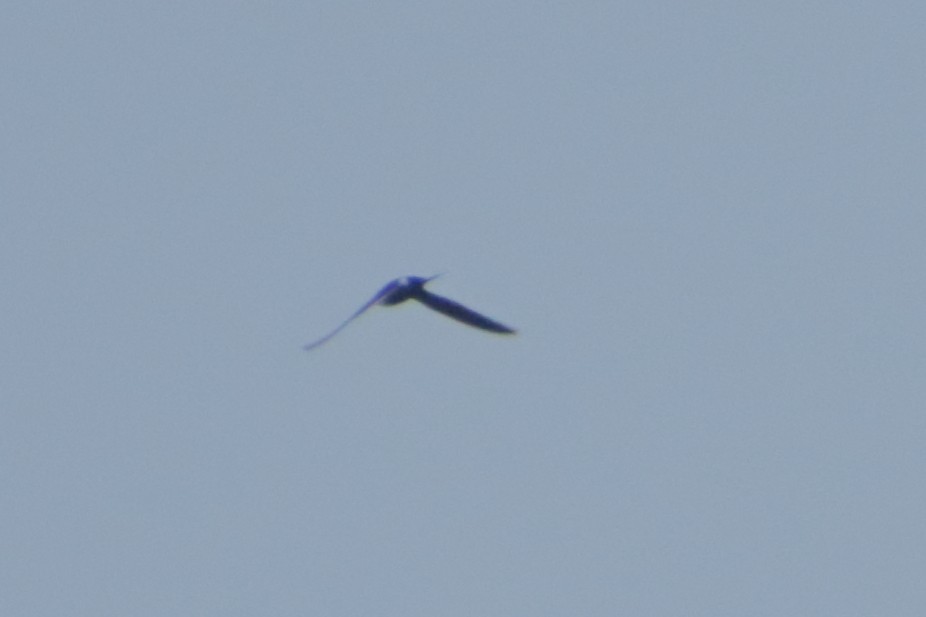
(706, 218)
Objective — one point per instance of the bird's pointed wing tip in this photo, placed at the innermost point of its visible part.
(318, 343)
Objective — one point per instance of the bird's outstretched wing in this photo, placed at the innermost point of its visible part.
(382, 293)
(459, 312)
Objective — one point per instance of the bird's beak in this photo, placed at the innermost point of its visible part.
(431, 278)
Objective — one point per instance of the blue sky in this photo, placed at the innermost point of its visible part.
(705, 219)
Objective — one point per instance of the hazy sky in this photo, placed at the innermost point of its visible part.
(706, 219)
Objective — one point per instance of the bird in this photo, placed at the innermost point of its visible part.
(412, 288)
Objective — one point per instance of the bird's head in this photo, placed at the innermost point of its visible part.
(415, 281)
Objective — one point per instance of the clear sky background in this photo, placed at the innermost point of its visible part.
(707, 220)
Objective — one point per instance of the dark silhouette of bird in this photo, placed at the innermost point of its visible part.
(412, 288)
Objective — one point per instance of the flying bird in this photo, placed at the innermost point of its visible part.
(412, 288)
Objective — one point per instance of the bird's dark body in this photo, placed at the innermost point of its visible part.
(412, 288)
(403, 289)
